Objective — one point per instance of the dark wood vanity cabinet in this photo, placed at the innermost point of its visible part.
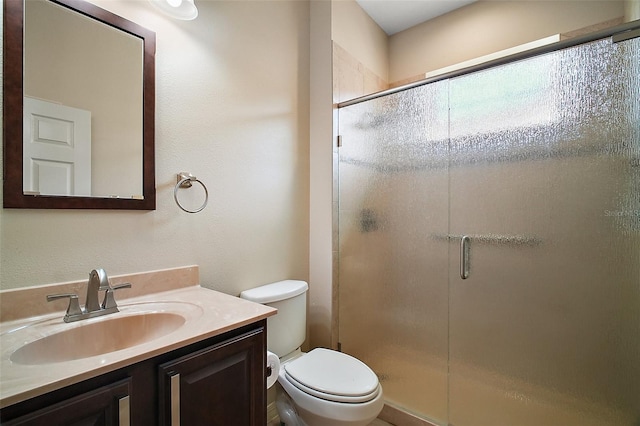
(218, 381)
(215, 386)
(99, 407)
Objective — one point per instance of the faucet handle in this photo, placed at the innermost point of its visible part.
(109, 301)
(74, 306)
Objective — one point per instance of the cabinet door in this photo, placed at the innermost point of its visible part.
(223, 384)
(105, 406)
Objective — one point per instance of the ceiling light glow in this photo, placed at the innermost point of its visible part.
(179, 9)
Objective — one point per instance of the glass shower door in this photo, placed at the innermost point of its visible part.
(544, 328)
(393, 197)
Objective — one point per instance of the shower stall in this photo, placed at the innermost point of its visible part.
(489, 240)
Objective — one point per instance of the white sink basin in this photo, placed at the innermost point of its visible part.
(98, 336)
(42, 353)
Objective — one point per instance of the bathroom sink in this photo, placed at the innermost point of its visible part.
(92, 338)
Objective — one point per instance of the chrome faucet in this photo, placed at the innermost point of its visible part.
(98, 281)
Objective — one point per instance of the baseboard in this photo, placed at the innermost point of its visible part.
(396, 416)
(272, 415)
(389, 414)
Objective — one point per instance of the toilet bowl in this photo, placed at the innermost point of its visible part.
(326, 387)
(322, 387)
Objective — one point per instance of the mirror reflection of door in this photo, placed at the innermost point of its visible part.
(56, 149)
(80, 62)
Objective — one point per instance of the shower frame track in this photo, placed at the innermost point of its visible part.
(618, 33)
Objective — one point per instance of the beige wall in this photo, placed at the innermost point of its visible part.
(232, 107)
(356, 32)
(486, 27)
(366, 59)
(360, 52)
(321, 173)
(631, 10)
(351, 78)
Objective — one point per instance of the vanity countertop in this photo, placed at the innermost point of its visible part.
(206, 313)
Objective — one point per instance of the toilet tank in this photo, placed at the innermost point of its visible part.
(288, 328)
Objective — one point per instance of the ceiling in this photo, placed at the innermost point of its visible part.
(397, 15)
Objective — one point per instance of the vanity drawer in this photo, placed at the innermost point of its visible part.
(105, 406)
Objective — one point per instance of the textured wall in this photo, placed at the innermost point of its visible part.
(489, 26)
(357, 33)
(232, 108)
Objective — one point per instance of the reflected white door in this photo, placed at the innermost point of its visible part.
(56, 149)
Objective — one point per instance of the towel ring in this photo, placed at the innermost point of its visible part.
(185, 180)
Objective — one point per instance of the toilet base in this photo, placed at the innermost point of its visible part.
(287, 410)
(292, 414)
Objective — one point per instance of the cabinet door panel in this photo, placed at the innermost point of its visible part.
(220, 385)
(96, 408)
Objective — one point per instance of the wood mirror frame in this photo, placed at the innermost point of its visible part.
(13, 84)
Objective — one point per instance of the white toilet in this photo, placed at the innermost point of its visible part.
(319, 388)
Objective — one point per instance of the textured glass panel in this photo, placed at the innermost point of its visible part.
(393, 196)
(545, 179)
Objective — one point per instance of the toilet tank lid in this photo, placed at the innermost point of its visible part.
(275, 292)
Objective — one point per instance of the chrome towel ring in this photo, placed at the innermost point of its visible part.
(185, 180)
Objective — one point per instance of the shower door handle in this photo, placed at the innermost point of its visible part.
(464, 257)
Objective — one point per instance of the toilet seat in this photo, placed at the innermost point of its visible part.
(333, 376)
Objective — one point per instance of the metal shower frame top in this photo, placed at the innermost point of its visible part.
(618, 33)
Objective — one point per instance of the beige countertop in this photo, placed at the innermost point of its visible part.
(203, 313)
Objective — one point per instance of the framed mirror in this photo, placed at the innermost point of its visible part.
(79, 108)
